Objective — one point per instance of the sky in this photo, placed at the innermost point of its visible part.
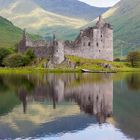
(101, 3)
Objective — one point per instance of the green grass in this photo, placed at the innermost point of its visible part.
(34, 70)
(10, 35)
(64, 68)
(95, 65)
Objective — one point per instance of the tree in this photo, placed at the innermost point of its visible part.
(16, 60)
(4, 52)
(30, 54)
(133, 81)
(117, 59)
(134, 58)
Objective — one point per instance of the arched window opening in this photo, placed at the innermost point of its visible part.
(89, 44)
(97, 44)
(84, 44)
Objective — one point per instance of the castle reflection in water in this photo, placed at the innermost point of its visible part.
(93, 96)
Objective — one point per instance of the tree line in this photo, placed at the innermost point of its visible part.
(133, 59)
(11, 58)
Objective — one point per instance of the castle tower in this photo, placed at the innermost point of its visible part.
(58, 52)
(94, 42)
(100, 17)
(54, 38)
(24, 36)
(22, 45)
(57, 56)
(53, 43)
(103, 40)
(100, 23)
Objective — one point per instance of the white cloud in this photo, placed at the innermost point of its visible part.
(101, 3)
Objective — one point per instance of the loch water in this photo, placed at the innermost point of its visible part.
(70, 106)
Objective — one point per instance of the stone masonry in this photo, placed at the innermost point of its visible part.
(93, 43)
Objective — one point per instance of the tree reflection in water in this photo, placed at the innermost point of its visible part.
(22, 96)
(133, 81)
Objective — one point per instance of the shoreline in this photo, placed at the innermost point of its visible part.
(29, 70)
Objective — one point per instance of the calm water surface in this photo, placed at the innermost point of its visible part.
(70, 106)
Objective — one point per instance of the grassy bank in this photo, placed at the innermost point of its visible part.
(80, 63)
(34, 70)
(96, 65)
(31, 70)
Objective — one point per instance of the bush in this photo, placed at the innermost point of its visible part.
(78, 63)
(4, 52)
(16, 60)
(134, 58)
(30, 54)
(117, 59)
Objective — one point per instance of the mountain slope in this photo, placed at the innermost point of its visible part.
(27, 14)
(10, 35)
(124, 17)
(71, 8)
(45, 17)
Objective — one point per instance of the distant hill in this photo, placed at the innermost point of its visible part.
(28, 14)
(66, 17)
(71, 8)
(45, 17)
(125, 18)
(10, 34)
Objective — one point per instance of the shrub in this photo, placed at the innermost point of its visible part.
(30, 54)
(16, 60)
(134, 58)
(117, 59)
(4, 52)
(78, 63)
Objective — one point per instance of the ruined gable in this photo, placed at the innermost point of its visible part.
(93, 43)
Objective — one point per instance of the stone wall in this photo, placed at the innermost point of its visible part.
(42, 49)
(38, 43)
(93, 43)
(42, 52)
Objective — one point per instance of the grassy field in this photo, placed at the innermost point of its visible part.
(81, 63)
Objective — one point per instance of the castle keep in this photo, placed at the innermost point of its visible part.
(93, 43)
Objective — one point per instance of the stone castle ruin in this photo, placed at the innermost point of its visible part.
(93, 43)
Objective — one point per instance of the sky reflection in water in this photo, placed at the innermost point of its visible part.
(70, 106)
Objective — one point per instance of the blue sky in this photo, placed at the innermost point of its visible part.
(101, 3)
